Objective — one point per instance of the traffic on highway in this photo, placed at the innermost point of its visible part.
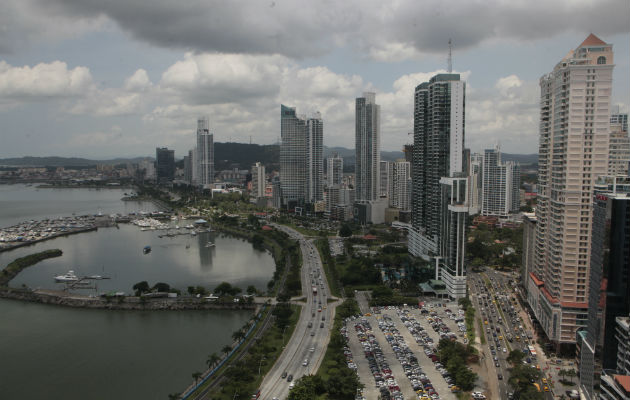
(305, 349)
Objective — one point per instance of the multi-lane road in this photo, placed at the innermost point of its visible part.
(494, 300)
(305, 349)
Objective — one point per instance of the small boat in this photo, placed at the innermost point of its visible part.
(210, 244)
(147, 249)
(68, 277)
(193, 233)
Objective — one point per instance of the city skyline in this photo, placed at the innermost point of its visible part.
(94, 81)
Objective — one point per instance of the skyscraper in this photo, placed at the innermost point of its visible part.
(618, 150)
(399, 179)
(205, 153)
(164, 165)
(573, 152)
(301, 158)
(617, 117)
(385, 174)
(609, 284)
(440, 193)
(368, 148)
(259, 181)
(315, 159)
(500, 185)
(334, 170)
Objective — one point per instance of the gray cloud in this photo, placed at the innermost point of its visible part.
(382, 30)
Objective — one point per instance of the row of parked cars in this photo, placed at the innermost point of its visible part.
(419, 380)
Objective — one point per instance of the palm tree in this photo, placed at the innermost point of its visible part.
(173, 396)
(226, 349)
(212, 360)
(571, 374)
(196, 376)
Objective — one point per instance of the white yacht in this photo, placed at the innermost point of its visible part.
(68, 277)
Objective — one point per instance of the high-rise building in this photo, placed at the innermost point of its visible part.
(205, 153)
(609, 285)
(259, 181)
(398, 179)
(315, 159)
(573, 152)
(368, 148)
(500, 185)
(623, 349)
(385, 184)
(164, 165)
(334, 170)
(475, 167)
(618, 150)
(620, 118)
(529, 235)
(440, 181)
(301, 158)
(188, 169)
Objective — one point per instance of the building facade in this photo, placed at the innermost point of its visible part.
(315, 159)
(164, 165)
(618, 150)
(334, 170)
(204, 153)
(500, 185)
(399, 188)
(259, 180)
(573, 152)
(439, 175)
(367, 147)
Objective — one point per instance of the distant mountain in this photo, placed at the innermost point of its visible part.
(520, 158)
(349, 155)
(63, 161)
(244, 155)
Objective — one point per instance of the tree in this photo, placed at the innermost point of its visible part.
(571, 374)
(345, 231)
(161, 287)
(173, 396)
(196, 376)
(464, 302)
(238, 335)
(224, 288)
(251, 290)
(515, 357)
(191, 290)
(226, 349)
(212, 360)
(141, 287)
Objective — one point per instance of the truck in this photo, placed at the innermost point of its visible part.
(315, 290)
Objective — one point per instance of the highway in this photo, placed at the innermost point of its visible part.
(504, 329)
(312, 332)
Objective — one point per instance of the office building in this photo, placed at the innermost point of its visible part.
(440, 181)
(205, 154)
(334, 170)
(301, 158)
(368, 148)
(164, 165)
(475, 166)
(529, 239)
(609, 286)
(573, 152)
(259, 180)
(315, 159)
(500, 185)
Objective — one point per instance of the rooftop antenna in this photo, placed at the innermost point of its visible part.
(450, 56)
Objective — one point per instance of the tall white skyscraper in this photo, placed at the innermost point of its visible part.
(368, 148)
(399, 179)
(500, 185)
(205, 153)
(440, 181)
(573, 152)
(259, 180)
(301, 158)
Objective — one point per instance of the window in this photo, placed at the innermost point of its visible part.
(601, 60)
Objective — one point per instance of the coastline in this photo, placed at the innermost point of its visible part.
(56, 235)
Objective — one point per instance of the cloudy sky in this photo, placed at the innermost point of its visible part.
(100, 79)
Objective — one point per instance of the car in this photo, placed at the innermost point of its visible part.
(312, 333)
(544, 380)
(500, 377)
(305, 362)
(312, 349)
(289, 378)
(291, 385)
(496, 364)
(323, 318)
(284, 374)
(321, 325)
(546, 388)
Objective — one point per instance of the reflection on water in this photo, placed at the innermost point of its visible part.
(117, 253)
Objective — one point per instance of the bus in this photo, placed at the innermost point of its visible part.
(532, 350)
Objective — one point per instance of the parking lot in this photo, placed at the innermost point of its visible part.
(393, 350)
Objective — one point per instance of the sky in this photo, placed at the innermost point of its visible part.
(118, 78)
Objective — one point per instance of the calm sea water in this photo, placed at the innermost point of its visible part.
(51, 352)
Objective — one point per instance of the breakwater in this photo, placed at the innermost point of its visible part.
(117, 303)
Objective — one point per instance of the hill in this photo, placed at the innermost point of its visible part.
(63, 161)
(244, 155)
